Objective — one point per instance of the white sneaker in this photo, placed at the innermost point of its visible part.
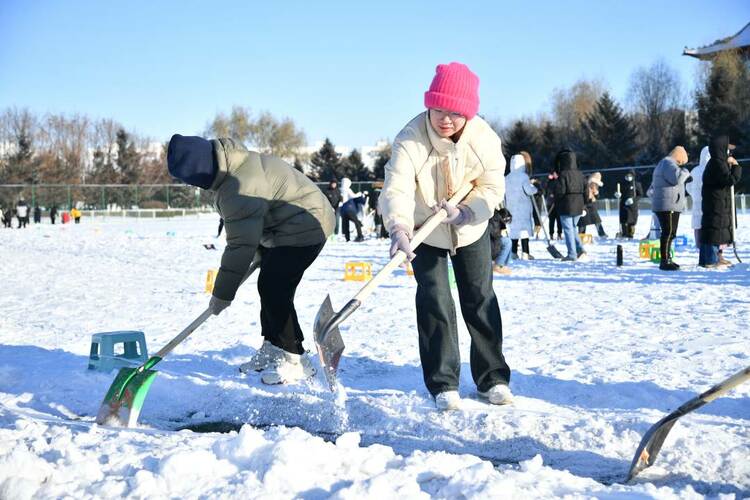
(263, 358)
(448, 400)
(498, 395)
(290, 368)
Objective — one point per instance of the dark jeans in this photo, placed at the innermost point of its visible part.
(281, 271)
(709, 254)
(668, 222)
(436, 317)
(345, 218)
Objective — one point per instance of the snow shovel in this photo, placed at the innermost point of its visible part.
(124, 400)
(553, 251)
(328, 339)
(652, 441)
(734, 225)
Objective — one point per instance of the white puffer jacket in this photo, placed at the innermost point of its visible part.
(518, 189)
(694, 188)
(425, 168)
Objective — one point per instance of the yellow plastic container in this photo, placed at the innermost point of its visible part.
(357, 271)
(210, 280)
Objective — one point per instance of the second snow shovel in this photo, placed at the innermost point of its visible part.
(124, 400)
(553, 251)
(328, 339)
(652, 441)
(734, 225)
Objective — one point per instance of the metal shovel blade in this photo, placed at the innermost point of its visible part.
(328, 342)
(124, 400)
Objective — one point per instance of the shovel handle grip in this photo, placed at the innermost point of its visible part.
(422, 233)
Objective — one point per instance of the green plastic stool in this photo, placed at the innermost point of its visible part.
(102, 356)
(656, 255)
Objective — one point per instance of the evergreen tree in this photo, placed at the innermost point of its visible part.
(127, 158)
(521, 137)
(549, 145)
(353, 167)
(724, 102)
(326, 163)
(298, 164)
(383, 157)
(609, 137)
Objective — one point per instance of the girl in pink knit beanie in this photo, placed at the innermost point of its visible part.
(434, 155)
(452, 99)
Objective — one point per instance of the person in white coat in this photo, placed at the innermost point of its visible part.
(436, 154)
(694, 190)
(347, 193)
(518, 193)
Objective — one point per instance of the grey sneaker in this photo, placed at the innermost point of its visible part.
(290, 368)
(263, 358)
(497, 395)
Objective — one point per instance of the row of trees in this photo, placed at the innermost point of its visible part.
(589, 120)
(60, 149)
(76, 149)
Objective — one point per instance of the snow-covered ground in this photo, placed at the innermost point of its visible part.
(599, 354)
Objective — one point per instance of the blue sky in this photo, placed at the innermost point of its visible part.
(351, 71)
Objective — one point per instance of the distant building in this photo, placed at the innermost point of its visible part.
(739, 42)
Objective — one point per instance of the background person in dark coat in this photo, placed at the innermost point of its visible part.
(632, 192)
(333, 194)
(349, 212)
(7, 217)
(53, 214)
(722, 172)
(37, 214)
(570, 190)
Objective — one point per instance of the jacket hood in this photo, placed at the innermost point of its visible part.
(718, 147)
(191, 159)
(517, 163)
(346, 183)
(705, 156)
(566, 160)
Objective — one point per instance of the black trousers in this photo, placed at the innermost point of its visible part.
(345, 218)
(436, 317)
(668, 222)
(554, 218)
(281, 270)
(524, 246)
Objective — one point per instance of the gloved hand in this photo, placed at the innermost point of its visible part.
(618, 195)
(629, 202)
(458, 215)
(583, 214)
(401, 240)
(216, 305)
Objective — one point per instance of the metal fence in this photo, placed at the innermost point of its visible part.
(106, 196)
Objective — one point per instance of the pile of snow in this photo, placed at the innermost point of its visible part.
(599, 354)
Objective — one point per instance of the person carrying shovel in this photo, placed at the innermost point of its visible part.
(434, 156)
(273, 214)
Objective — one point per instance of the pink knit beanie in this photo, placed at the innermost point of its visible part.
(454, 88)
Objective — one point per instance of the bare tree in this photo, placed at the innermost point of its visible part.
(17, 130)
(655, 94)
(238, 125)
(572, 105)
(280, 138)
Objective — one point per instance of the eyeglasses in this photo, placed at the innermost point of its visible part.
(439, 114)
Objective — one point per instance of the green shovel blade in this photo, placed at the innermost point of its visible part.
(124, 400)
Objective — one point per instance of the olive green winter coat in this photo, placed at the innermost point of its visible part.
(263, 201)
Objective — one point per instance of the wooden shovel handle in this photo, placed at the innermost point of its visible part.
(421, 234)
